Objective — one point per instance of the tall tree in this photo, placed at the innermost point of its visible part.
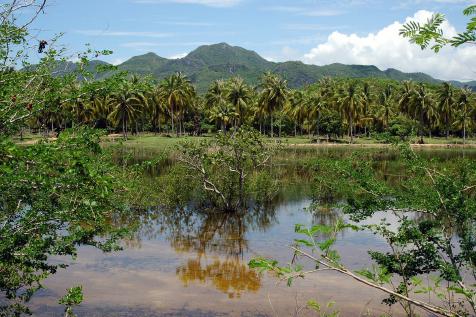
(421, 107)
(126, 105)
(295, 108)
(350, 105)
(406, 94)
(367, 101)
(101, 108)
(157, 108)
(315, 103)
(446, 103)
(386, 105)
(218, 107)
(177, 91)
(465, 110)
(273, 95)
(239, 95)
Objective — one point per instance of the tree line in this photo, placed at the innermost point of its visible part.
(330, 107)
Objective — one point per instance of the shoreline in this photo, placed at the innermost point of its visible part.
(381, 145)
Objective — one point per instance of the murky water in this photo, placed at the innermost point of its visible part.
(189, 263)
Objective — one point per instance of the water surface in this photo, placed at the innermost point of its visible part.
(191, 263)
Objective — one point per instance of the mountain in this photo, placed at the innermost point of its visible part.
(144, 64)
(222, 61)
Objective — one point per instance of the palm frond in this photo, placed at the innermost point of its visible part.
(470, 10)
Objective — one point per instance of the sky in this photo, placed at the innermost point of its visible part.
(312, 31)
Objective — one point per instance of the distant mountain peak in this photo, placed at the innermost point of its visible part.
(225, 54)
(222, 60)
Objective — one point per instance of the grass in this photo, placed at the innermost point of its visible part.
(150, 140)
(155, 141)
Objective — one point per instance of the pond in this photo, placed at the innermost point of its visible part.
(190, 263)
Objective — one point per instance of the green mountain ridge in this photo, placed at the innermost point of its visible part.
(221, 61)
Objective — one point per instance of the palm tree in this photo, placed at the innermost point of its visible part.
(386, 105)
(101, 108)
(295, 108)
(465, 110)
(157, 108)
(350, 105)
(421, 107)
(78, 108)
(222, 114)
(405, 100)
(177, 91)
(315, 105)
(219, 109)
(446, 104)
(274, 94)
(366, 100)
(126, 105)
(239, 95)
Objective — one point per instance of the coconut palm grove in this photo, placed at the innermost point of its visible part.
(334, 177)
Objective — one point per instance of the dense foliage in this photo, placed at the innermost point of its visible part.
(55, 194)
(227, 173)
(331, 108)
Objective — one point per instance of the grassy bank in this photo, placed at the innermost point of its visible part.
(149, 140)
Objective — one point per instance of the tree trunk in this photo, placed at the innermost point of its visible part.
(464, 131)
(318, 123)
(421, 128)
(172, 116)
(242, 187)
(351, 132)
(124, 134)
(271, 125)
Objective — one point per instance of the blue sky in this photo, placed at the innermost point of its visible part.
(314, 31)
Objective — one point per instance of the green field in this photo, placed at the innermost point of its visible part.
(149, 140)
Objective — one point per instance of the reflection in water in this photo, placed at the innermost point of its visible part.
(230, 276)
(201, 234)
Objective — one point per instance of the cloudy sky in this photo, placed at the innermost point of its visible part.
(313, 31)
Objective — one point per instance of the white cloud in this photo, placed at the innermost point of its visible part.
(209, 3)
(387, 49)
(185, 23)
(312, 27)
(323, 13)
(117, 61)
(270, 59)
(122, 33)
(305, 11)
(140, 44)
(151, 45)
(178, 56)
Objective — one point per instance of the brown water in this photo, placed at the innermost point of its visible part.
(189, 263)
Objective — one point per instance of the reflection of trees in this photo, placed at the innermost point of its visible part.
(230, 276)
(222, 234)
(325, 215)
(219, 232)
(206, 232)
